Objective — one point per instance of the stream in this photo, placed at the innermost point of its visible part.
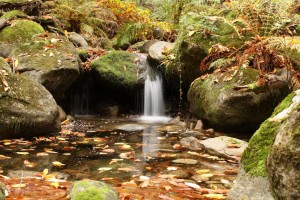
(115, 151)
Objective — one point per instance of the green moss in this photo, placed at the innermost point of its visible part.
(255, 156)
(117, 68)
(20, 30)
(14, 1)
(13, 14)
(92, 190)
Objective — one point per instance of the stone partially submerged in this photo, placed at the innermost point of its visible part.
(92, 190)
(26, 108)
(224, 146)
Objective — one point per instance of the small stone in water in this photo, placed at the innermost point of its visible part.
(185, 161)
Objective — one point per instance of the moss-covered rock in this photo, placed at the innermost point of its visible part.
(52, 61)
(92, 190)
(13, 14)
(30, 7)
(18, 33)
(117, 70)
(216, 100)
(284, 156)
(26, 108)
(272, 154)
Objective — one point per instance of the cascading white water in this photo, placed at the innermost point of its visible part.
(153, 95)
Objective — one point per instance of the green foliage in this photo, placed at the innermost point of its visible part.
(221, 63)
(133, 32)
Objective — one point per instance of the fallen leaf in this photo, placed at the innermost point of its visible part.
(126, 169)
(170, 168)
(20, 185)
(42, 154)
(177, 146)
(57, 164)
(192, 185)
(22, 153)
(145, 184)
(214, 196)
(130, 183)
(167, 187)
(55, 184)
(125, 147)
(202, 171)
(102, 169)
(29, 164)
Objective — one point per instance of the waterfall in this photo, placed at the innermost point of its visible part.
(154, 106)
(153, 95)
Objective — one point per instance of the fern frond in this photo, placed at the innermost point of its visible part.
(221, 63)
(132, 32)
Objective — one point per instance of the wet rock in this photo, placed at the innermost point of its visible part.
(131, 127)
(21, 32)
(3, 191)
(158, 50)
(250, 187)
(62, 114)
(171, 129)
(26, 108)
(195, 134)
(190, 143)
(181, 174)
(215, 100)
(199, 125)
(185, 161)
(55, 68)
(224, 146)
(89, 189)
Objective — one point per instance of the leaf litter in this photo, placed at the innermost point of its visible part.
(132, 174)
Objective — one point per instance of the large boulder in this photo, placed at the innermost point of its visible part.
(50, 60)
(92, 190)
(26, 108)
(19, 32)
(117, 70)
(117, 81)
(217, 101)
(270, 163)
(284, 157)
